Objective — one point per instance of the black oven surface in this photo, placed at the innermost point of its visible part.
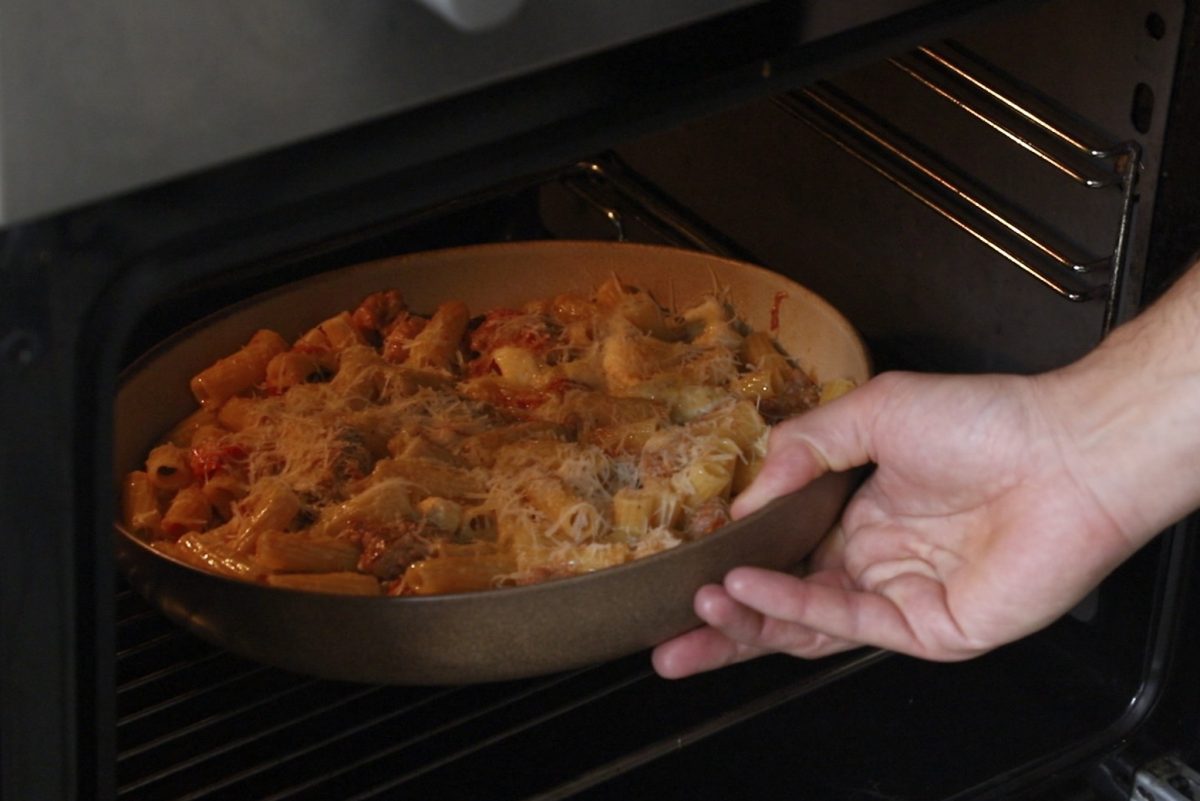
(194, 722)
(725, 147)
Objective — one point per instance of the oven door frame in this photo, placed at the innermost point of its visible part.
(75, 283)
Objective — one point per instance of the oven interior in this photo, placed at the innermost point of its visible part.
(980, 202)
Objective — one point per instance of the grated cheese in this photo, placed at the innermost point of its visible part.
(520, 440)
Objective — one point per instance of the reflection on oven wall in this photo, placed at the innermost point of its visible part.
(925, 293)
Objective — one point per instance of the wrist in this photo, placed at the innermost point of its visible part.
(1130, 416)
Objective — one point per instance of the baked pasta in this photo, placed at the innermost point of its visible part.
(388, 452)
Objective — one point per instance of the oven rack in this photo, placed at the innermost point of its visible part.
(621, 195)
(195, 723)
(1022, 117)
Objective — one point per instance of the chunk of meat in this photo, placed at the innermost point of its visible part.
(350, 457)
(798, 395)
(377, 311)
(539, 334)
(388, 550)
(398, 337)
(710, 516)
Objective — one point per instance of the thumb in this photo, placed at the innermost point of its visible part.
(829, 438)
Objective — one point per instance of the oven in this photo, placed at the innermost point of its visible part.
(978, 186)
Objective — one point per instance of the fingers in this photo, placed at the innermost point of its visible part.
(708, 647)
(698, 651)
(830, 438)
(793, 460)
(735, 633)
(760, 611)
(824, 601)
(829, 603)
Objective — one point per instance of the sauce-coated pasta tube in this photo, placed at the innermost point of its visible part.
(739, 422)
(298, 552)
(457, 573)
(189, 511)
(384, 502)
(223, 490)
(185, 429)
(434, 348)
(239, 371)
(273, 505)
(563, 509)
(433, 476)
(139, 503)
(167, 467)
(239, 413)
(290, 368)
(343, 583)
(209, 551)
(708, 476)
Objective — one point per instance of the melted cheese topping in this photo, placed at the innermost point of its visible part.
(575, 434)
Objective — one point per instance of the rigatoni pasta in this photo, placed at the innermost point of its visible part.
(386, 452)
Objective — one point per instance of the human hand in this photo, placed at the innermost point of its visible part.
(974, 529)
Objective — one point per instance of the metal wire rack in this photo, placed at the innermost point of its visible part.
(1030, 122)
(619, 194)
